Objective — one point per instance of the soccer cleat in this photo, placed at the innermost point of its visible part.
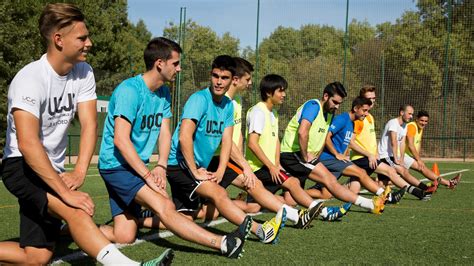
(272, 228)
(146, 213)
(453, 183)
(334, 213)
(396, 196)
(379, 204)
(306, 216)
(426, 196)
(235, 241)
(386, 192)
(164, 259)
(433, 187)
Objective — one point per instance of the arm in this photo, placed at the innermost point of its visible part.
(164, 145)
(331, 149)
(402, 150)
(372, 157)
(88, 119)
(257, 150)
(237, 156)
(393, 142)
(186, 143)
(124, 144)
(30, 146)
(303, 138)
(226, 147)
(412, 148)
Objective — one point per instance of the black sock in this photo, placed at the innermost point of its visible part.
(422, 186)
(417, 192)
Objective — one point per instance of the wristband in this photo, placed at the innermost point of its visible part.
(147, 175)
(162, 166)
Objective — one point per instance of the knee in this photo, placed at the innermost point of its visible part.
(258, 187)
(219, 195)
(164, 207)
(292, 182)
(125, 237)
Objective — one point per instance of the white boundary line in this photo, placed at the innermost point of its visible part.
(426, 179)
(165, 234)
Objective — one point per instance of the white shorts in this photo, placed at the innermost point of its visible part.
(408, 161)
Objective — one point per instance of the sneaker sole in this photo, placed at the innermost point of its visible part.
(282, 225)
(167, 258)
(316, 213)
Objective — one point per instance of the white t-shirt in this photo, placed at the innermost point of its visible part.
(256, 120)
(385, 148)
(53, 99)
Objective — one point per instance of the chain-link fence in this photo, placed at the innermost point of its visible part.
(424, 58)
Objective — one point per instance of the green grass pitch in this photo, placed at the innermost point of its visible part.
(439, 231)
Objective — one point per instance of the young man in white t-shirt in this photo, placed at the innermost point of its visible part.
(391, 150)
(43, 98)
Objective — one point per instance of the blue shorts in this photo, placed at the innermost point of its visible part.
(335, 166)
(123, 184)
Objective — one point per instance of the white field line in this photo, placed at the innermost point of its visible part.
(165, 234)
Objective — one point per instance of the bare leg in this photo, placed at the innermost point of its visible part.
(386, 170)
(428, 173)
(361, 175)
(174, 221)
(322, 175)
(292, 184)
(124, 230)
(12, 253)
(261, 195)
(219, 197)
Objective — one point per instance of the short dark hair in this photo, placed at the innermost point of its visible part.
(270, 83)
(365, 89)
(335, 88)
(422, 113)
(242, 66)
(159, 48)
(404, 107)
(58, 16)
(224, 62)
(359, 101)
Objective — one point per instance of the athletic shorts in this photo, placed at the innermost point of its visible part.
(231, 172)
(336, 167)
(123, 184)
(183, 188)
(263, 174)
(408, 161)
(364, 164)
(293, 163)
(390, 161)
(37, 227)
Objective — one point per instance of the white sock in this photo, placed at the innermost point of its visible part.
(291, 213)
(364, 203)
(314, 203)
(379, 191)
(110, 255)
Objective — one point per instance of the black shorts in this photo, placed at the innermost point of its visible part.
(390, 161)
(364, 164)
(293, 163)
(230, 174)
(263, 174)
(183, 187)
(37, 227)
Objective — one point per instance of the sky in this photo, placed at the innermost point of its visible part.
(239, 17)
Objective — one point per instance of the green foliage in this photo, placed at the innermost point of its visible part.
(201, 46)
(117, 51)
